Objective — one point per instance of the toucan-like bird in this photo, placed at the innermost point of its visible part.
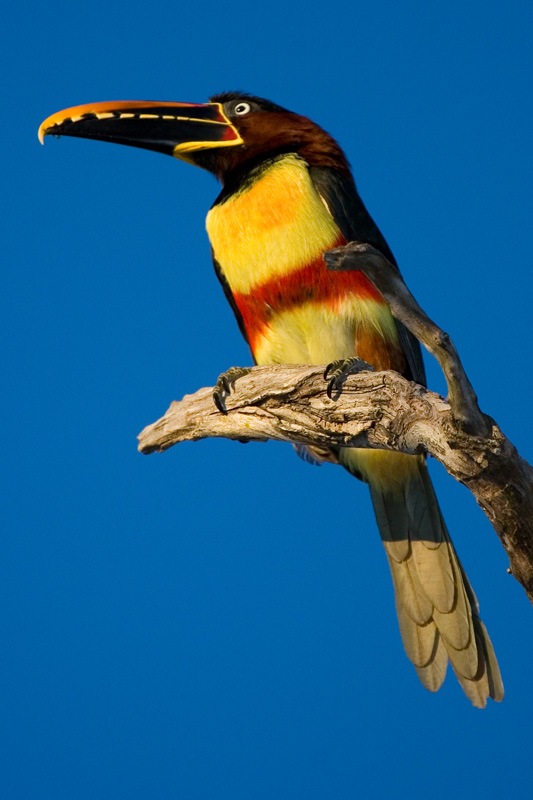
(287, 197)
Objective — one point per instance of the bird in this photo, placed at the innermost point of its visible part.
(287, 197)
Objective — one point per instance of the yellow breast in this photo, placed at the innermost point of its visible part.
(275, 225)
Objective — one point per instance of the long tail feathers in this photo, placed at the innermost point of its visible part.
(437, 609)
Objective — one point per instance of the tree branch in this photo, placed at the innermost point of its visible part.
(376, 409)
(404, 307)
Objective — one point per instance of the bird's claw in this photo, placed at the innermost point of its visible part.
(225, 384)
(337, 372)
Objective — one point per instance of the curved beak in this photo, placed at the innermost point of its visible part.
(171, 128)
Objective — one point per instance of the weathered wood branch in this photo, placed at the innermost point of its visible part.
(376, 409)
(404, 307)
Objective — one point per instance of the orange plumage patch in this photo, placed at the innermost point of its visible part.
(374, 349)
(313, 283)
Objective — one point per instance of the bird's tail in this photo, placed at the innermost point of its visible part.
(437, 609)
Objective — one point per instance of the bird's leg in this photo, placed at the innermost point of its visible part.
(337, 372)
(224, 385)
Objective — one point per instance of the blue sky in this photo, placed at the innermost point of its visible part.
(218, 621)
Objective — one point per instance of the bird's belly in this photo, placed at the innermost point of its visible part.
(320, 332)
(308, 334)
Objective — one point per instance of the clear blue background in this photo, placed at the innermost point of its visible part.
(218, 621)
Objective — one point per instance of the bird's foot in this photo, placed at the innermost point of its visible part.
(225, 384)
(337, 372)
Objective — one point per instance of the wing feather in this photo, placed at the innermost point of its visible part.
(340, 195)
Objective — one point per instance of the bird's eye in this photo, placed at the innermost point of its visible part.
(242, 108)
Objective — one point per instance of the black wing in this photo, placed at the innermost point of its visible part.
(229, 296)
(349, 212)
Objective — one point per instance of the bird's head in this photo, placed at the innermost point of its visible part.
(228, 135)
